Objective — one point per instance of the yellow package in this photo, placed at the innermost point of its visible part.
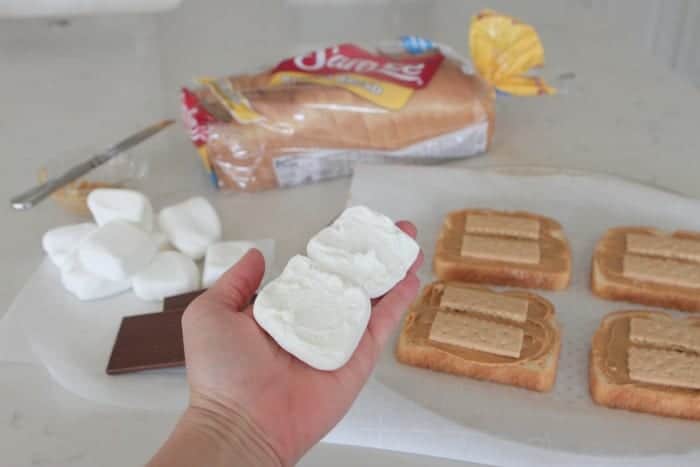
(503, 49)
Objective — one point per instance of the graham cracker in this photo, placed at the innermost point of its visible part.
(501, 249)
(662, 271)
(512, 226)
(485, 336)
(663, 246)
(668, 333)
(664, 367)
(486, 302)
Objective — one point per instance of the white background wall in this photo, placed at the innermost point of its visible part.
(670, 29)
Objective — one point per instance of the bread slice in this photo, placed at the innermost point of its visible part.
(457, 257)
(534, 369)
(608, 279)
(609, 380)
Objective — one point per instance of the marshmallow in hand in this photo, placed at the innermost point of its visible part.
(110, 204)
(191, 226)
(170, 273)
(117, 250)
(365, 247)
(315, 315)
(60, 243)
(87, 286)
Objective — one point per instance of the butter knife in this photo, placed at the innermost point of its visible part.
(34, 196)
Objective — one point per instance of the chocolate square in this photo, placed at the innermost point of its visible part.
(146, 342)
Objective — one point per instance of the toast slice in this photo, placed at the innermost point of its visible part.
(648, 266)
(513, 248)
(469, 330)
(646, 361)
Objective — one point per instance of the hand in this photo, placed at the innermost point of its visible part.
(236, 370)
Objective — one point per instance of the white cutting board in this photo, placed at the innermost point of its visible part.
(415, 410)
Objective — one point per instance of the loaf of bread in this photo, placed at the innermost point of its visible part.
(646, 361)
(507, 337)
(319, 130)
(648, 266)
(504, 248)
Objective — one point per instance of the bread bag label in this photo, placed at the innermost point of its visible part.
(197, 121)
(385, 81)
(312, 167)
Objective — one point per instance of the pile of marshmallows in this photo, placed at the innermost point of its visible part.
(123, 250)
(319, 307)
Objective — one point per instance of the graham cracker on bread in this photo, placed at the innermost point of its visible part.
(646, 361)
(648, 266)
(503, 247)
(469, 330)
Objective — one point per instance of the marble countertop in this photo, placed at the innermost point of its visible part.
(67, 83)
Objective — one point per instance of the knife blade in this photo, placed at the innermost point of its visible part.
(34, 196)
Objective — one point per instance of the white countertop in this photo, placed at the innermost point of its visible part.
(97, 79)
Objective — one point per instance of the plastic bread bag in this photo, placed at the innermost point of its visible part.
(312, 116)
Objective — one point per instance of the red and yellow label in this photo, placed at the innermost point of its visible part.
(382, 80)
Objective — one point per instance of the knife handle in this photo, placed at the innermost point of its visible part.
(34, 196)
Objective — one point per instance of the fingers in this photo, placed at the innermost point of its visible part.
(417, 263)
(387, 312)
(408, 228)
(237, 286)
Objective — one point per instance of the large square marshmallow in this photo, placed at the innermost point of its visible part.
(222, 255)
(87, 286)
(191, 226)
(170, 273)
(161, 240)
(315, 315)
(110, 204)
(60, 243)
(365, 247)
(117, 250)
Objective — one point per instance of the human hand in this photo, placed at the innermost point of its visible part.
(237, 372)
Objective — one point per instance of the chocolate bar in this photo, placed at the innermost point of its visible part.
(146, 342)
(153, 340)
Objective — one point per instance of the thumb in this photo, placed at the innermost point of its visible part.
(236, 287)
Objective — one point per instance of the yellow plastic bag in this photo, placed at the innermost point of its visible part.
(503, 50)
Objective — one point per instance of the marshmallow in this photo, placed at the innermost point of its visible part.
(365, 247)
(87, 286)
(110, 204)
(191, 226)
(170, 273)
(61, 242)
(221, 256)
(117, 250)
(161, 240)
(315, 315)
